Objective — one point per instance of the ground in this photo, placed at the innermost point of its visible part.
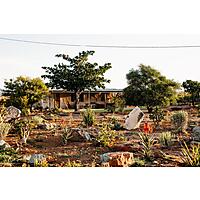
(49, 143)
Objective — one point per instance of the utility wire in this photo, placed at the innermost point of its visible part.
(101, 46)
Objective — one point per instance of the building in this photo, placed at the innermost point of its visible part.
(65, 99)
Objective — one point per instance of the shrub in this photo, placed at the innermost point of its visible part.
(73, 164)
(106, 135)
(88, 117)
(23, 128)
(157, 115)
(117, 104)
(37, 120)
(4, 129)
(147, 142)
(191, 157)
(67, 134)
(114, 124)
(180, 121)
(165, 139)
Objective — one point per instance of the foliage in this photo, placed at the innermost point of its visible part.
(191, 157)
(180, 121)
(42, 163)
(23, 128)
(165, 139)
(4, 129)
(67, 134)
(193, 88)
(73, 164)
(7, 155)
(24, 92)
(147, 87)
(77, 75)
(157, 115)
(114, 124)
(88, 117)
(147, 142)
(106, 135)
(117, 104)
(138, 163)
(37, 120)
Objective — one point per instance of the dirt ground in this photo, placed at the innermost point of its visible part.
(49, 143)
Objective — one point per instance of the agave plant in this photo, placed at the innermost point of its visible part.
(191, 157)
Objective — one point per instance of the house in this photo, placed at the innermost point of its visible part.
(65, 99)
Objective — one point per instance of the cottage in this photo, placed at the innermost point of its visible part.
(65, 99)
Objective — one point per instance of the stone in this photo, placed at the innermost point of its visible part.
(12, 113)
(4, 145)
(36, 158)
(123, 147)
(117, 159)
(134, 119)
(196, 133)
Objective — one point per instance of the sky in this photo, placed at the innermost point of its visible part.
(26, 59)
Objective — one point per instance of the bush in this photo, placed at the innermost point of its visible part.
(67, 134)
(88, 117)
(157, 115)
(114, 124)
(117, 104)
(106, 136)
(180, 121)
(165, 139)
(4, 129)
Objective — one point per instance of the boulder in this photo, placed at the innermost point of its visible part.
(134, 119)
(36, 158)
(4, 145)
(117, 159)
(196, 133)
(12, 113)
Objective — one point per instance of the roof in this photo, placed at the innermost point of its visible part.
(91, 91)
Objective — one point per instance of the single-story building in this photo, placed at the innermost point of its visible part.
(65, 99)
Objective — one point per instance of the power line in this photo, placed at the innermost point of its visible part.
(101, 46)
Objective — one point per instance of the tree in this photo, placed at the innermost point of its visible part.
(24, 92)
(193, 88)
(147, 87)
(77, 75)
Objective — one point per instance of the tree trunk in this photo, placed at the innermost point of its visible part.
(77, 94)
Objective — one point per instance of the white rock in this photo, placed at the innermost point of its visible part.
(12, 113)
(134, 119)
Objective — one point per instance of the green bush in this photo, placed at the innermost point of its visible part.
(4, 129)
(106, 135)
(180, 121)
(165, 139)
(157, 115)
(67, 134)
(88, 117)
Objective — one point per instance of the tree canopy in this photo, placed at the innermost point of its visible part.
(147, 87)
(77, 74)
(24, 92)
(193, 88)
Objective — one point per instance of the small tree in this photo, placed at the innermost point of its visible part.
(77, 75)
(24, 92)
(147, 87)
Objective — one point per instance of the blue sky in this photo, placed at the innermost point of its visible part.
(27, 59)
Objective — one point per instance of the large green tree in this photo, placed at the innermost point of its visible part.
(24, 92)
(147, 87)
(193, 88)
(77, 74)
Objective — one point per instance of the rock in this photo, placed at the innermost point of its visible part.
(117, 159)
(123, 147)
(4, 145)
(196, 133)
(134, 119)
(46, 126)
(36, 158)
(12, 113)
